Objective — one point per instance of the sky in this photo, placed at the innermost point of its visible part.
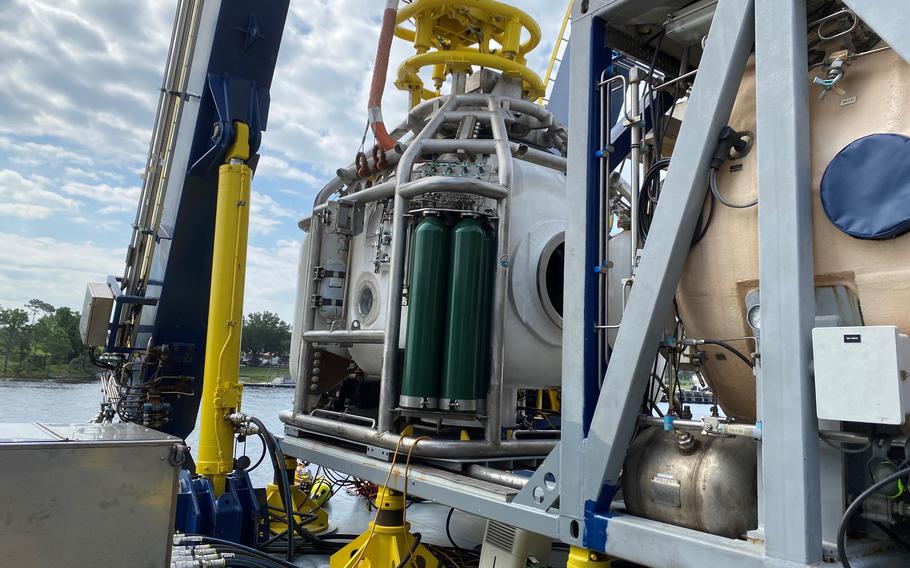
(79, 84)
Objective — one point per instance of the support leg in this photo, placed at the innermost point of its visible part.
(791, 497)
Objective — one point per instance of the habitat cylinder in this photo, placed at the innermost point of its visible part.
(423, 352)
(466, 371)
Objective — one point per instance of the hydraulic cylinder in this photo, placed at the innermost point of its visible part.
(221, 386)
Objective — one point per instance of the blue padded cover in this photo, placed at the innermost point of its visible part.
(866, 188)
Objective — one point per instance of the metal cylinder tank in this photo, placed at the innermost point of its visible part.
(466, 365)
(426, 323)
(712, 487)
(720, 282)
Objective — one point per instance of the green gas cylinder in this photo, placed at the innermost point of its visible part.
(466, 368)
(423, 352)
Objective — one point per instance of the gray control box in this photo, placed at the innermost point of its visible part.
(86, 495)
(862, 374)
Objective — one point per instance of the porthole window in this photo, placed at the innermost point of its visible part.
(366, 301)
(550, 277)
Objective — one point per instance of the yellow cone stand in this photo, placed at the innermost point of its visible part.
(386, 542)
(305, 507)
(583, 558)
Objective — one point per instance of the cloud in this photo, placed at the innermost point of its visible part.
(114, 199)
(275, 168)
(272, 278)
(29, 198)
(53, 270)
(79, 86)
(266, 214)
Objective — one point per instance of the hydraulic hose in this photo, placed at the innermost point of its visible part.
(280, 479)
(731, 349)
(245, 550)
(411, 551)
(380, 70)
(851, 510)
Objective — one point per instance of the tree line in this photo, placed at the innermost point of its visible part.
(38, 335)
(38, 338)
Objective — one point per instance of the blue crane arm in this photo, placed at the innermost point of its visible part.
(162, 305)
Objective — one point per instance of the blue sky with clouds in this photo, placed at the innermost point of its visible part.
(79, 86)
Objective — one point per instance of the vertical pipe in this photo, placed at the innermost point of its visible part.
(501, 275)
(221, 386)
(389, 378)
(634, 111)
(605, 87)
(602, 192)
(313, 256)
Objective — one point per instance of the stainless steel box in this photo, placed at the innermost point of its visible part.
(91, 495)
(96, 313)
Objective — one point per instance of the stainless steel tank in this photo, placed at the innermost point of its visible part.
(711, 487)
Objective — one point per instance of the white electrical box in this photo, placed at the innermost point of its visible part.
(96, 314)
(862, 374)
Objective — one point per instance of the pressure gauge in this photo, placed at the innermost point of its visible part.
(754, 316)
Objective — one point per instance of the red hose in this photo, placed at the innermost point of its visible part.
(380, 69)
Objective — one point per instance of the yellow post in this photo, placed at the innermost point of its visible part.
(221, 389)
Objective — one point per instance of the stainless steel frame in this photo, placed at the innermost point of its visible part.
(493, 110)
(569, 496)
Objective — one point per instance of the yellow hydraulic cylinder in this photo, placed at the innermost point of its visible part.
(221, 389)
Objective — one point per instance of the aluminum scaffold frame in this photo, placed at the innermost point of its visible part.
(595, 434)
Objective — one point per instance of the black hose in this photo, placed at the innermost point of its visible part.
(411, 551)
(280, 479)
(649, 192)
(731, 349)
(848, 514)
(449, 530)
(247, 562)
(226, 544)
(261, 456)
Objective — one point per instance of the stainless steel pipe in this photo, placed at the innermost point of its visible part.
(635, 156)
(439, 184)
(344, 336)
(496, 476)
(379, 191)
(389, 377)
(428, 448)
(525, 153)
(501, 279)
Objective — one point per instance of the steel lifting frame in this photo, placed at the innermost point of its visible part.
(570, 495)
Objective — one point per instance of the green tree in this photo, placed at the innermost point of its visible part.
(265, 332)
(58, 336)
(13, 330)
(37, 310)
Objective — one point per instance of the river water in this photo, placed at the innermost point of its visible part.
(51, 401)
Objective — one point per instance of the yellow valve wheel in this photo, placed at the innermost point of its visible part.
(456, 35)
